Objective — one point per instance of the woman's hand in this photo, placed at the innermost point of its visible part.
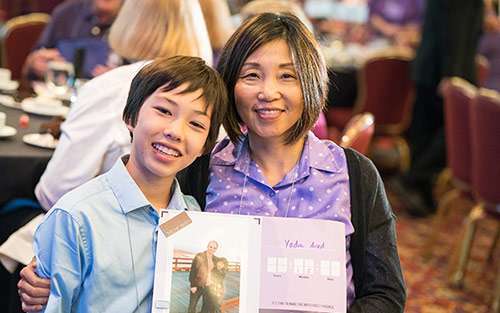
(33, 290)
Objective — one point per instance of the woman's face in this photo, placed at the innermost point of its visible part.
(268, 93)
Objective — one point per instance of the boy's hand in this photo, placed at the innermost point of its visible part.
(33, 290)
(193, 289)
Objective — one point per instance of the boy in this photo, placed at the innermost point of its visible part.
(97, 244)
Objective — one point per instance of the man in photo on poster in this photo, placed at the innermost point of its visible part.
(200, 275)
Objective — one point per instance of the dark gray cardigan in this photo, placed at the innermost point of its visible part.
(378, 280)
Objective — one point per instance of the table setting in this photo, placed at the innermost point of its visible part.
(50, 98)
(6, 130)
(29, 128)
(6, 83)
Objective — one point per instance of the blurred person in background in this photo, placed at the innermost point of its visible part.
(218, 21)
(450, 36)
(75, 24)
(93, 136)
(396, 20)
(489, 45)
(257, 7)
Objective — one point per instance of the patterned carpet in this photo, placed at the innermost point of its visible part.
(428, 291)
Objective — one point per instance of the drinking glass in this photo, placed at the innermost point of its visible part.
(60, 78)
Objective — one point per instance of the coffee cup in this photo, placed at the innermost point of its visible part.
(3, 119)
(5, 75)
(47, 101)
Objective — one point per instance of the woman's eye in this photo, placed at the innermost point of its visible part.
(250, 76)
(288, 76)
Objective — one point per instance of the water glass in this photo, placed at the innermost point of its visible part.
(60, 77)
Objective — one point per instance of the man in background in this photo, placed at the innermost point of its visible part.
(448, 47)
(75, 26)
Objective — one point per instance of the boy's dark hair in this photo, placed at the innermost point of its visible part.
(306, 56)
(171, 73)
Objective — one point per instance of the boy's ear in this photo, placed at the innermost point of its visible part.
(129, 126)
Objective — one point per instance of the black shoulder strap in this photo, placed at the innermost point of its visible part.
(358, 217)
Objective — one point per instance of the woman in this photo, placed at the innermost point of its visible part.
(276, 78)
(277, 83)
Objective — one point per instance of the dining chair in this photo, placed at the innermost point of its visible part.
(457, 94)
(485, 147)
(18, 37)
(387, 91)
(358, 132)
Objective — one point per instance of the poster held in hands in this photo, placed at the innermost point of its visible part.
(210, 262)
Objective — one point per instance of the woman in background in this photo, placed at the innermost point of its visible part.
(257, 7)
(218, 20)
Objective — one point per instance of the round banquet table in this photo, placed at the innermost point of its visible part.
(21, 165)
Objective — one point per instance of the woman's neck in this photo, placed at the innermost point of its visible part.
(274, 157)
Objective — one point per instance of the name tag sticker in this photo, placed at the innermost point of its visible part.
(175, 224)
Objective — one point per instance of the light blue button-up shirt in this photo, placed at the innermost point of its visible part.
(98, 245)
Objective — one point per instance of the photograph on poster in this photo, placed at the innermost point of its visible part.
(210, 262)
(201, 268)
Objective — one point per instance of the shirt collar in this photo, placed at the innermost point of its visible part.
(318, 154)
(130, 196)
(177, 201)
(321, 154)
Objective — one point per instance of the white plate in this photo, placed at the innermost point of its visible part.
(30, 105)
(8, 101)
(7, 131)
(9, 85)
(41, 89)
(41, 140)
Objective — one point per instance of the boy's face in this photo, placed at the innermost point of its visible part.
(220, 265)
(170, 133)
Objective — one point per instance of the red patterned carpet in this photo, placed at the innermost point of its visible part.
(428, 291)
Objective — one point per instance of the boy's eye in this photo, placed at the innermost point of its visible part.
(198, 125)
(163, 110)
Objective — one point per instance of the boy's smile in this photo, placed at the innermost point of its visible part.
(170, 132)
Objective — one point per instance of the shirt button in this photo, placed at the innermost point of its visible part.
(96, 30)
(272, 193)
